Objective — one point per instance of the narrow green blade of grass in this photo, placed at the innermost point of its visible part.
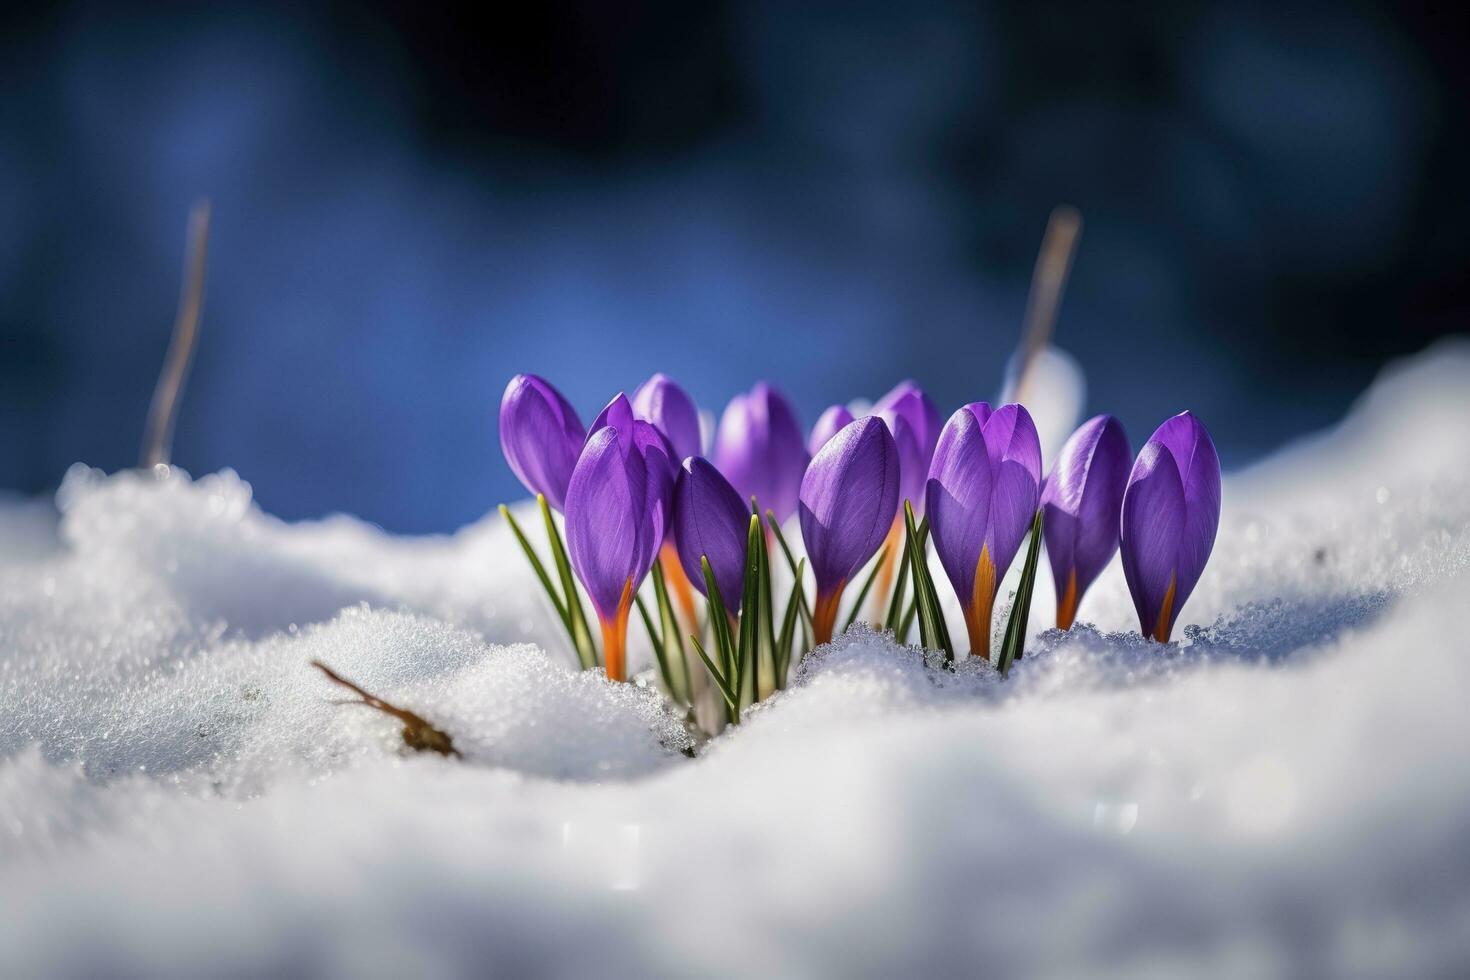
(932, 631)
(581, 635)
(766, 648)
(927, 638)
(788, 631)
(748, 667)
(714, 672)
(781, 540)
(537, 567)
(657, 644)
(725, 643)
(1015, 638)
(939, 624)
(719, 620)
(681, 684)
(908, 621)
(806, 610)
(895, 602)
(862, 596)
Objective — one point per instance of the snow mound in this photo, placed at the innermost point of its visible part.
(165, 636)
(245, 714)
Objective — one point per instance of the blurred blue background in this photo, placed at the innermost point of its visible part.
(413, 202)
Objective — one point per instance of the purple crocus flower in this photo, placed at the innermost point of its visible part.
(661, 401)
(915, 423)
(760, 449)
(617, 507)
(710, 520)
(982, 495)
(540, 436)
(833, 419)
(848, 498)
(1081, 503)
(1171, 511)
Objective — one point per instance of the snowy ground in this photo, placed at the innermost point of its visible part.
(1284, 792)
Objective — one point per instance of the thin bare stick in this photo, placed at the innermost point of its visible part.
(418, 734)
(1049, 278)
(163, 413)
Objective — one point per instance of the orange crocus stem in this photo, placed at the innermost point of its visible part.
(979, 609)
(1067, 603)
(824, 616)
(615, 637)
(884, 585)
(679, 584)
(1165, 624)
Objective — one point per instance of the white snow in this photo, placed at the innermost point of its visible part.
(1285, 792)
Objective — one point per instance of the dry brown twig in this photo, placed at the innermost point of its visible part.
(1053, 263)
(418, 734)
(163, 412)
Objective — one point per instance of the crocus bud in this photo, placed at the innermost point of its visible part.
(1081, 503)
(915, 424)
(848, 498)
(833, 419)
(982, 495)
(759, 448)
(663, 403)
(617, 507)
(710, 520)
(1171, 511)
(540, 436)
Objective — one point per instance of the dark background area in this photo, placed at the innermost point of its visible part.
(412, 203)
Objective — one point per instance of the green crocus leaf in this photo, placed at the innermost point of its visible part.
(1015, 638)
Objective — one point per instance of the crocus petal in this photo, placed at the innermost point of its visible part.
(1153, 519)
(760, 449)
(849, 496)
(828, 425)
(915, 424)
(540, 436)
(1010, 435)
(618, 414)
(909, 402)
(1013, 502)
(913, 464)
(652, 446)
(617, 506)
(605, 502)
(711, 520)
(958, 498)
(1015, 465)
(1082, 501)
(1199, 470)
(661, 401)
(981, 410)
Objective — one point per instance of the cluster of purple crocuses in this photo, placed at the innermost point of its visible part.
(635, 486)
